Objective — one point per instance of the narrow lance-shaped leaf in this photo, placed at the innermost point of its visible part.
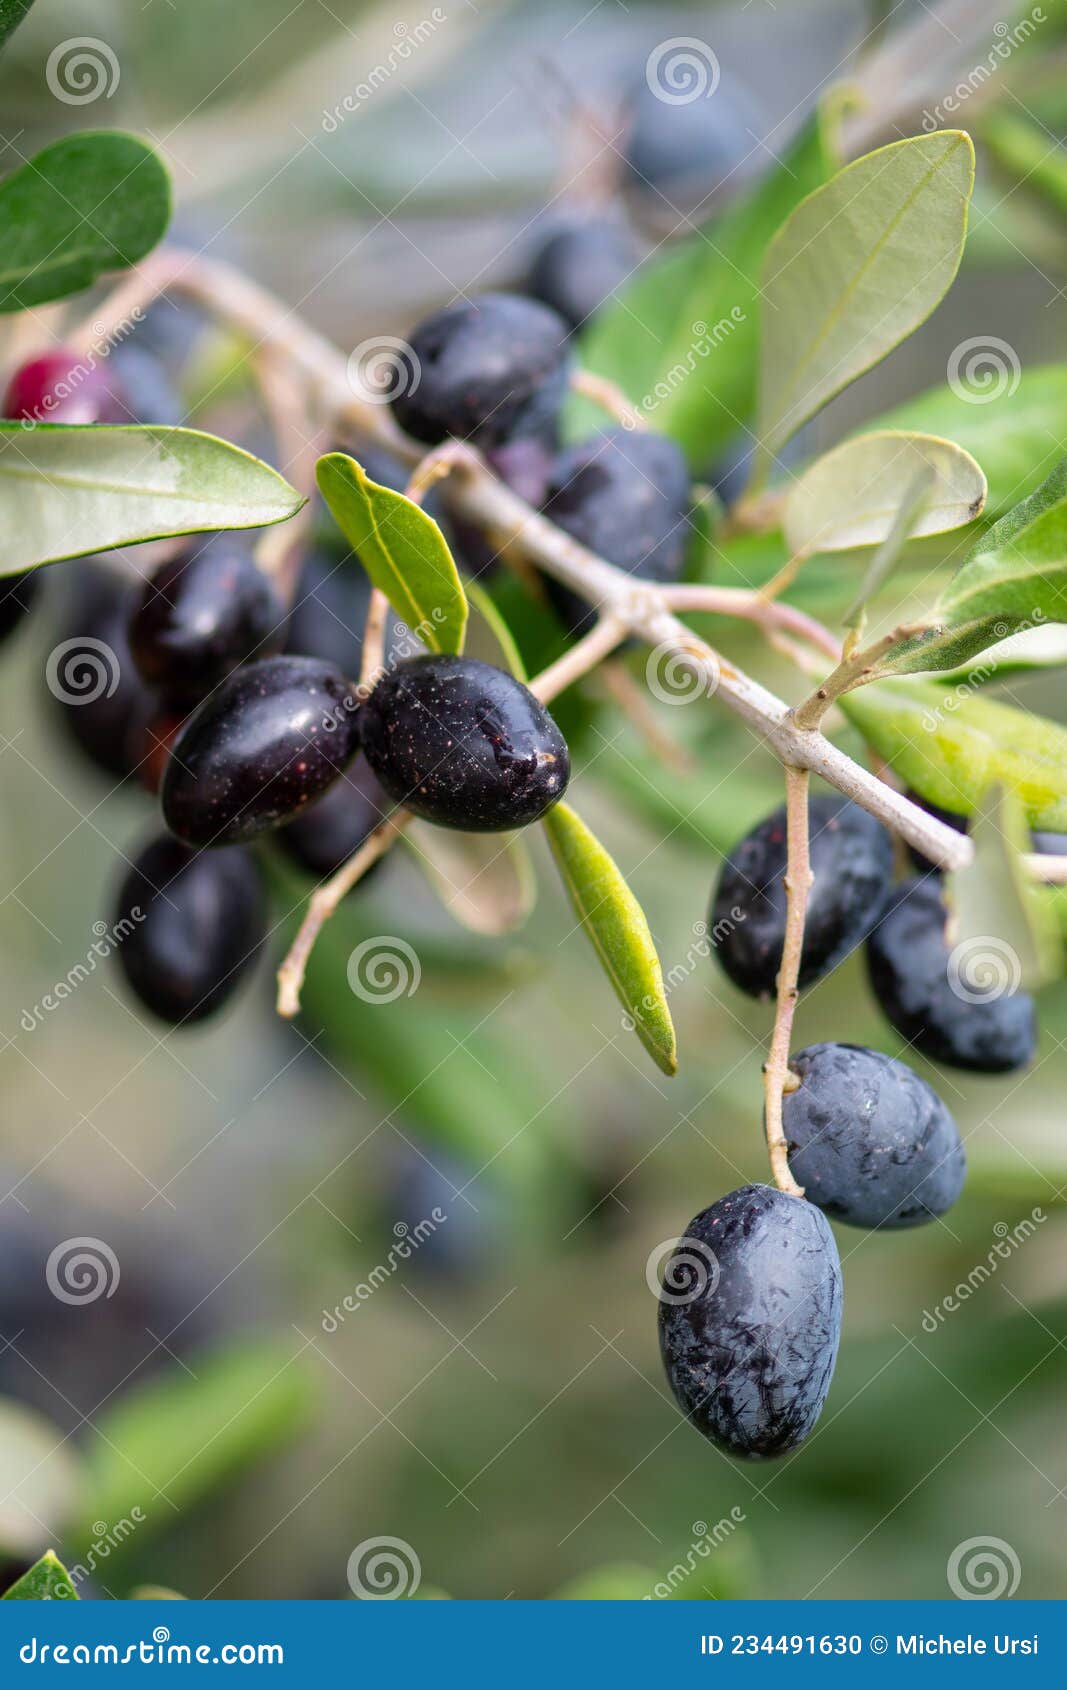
(913, 503)
(858, 266)
(851, 496)
(1004, 934)
(46, 1581)
(67, 491)
(488, 638)
(1013, 578)
(12, 13)
(616, 924)
(401, 548)
(951, 744)
(88, 204)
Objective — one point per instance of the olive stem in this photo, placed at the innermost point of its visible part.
(609, 396)
(776, 1068)
(1052, 870)
(444, 460)
(579, 659)
(751, 606)
(373, 657)
(854, 668)
(324, 902)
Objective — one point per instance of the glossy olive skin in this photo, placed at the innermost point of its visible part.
(195, 922)
(852, 862)
(464, 745)
(99, 614)
(490, 369)
(17, 593)
(908, 962)
(201, 615)
(329, 831)
(580, 265)
(750, 1318)
(870, 1142)
(60, 386)
(268, 740)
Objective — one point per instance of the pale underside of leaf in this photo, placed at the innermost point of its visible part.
(998, 919)
(853, 494)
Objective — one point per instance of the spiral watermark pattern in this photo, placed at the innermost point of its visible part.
(81, 70)
(983, 1569)
(675, 679)
(382, 369)
(984, 368)
(983, 969)
(682, 70)
(384, 968)
(680, 1270)
(382, 1569)
(82, 1270)
(81, 670)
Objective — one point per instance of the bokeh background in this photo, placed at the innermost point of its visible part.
(497, 1404)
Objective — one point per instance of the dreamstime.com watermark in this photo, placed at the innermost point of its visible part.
(705, 1539)
(1009, 1239)
(983, 1569)
(674, 677)
(1008, 38)
(682, 70)
(704, 942)
(984, 368)
(409, 38)
(705, 340)
(65, 386)
(82, 1270)
(383, 369)
(409, 1240)
(680, 1270)
(157, 1651)
(983, 968)
(383, 1569)
(81, 70)
(107, 939)
(105, 1539)
(384, 968)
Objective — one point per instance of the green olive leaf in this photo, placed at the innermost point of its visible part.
(489, 639)
(1021, 148)
(486, 881)
(858, 266)
(46, 1581)
(88, 204)
(680, 338)
(1000, 923)
(401, 548)
(951, 744)
(1008, 418)
(852, 495)
(12, 13)
(69, 491)
(616, 924)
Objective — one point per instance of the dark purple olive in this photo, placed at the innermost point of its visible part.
(580, 265)
(17, 593)
(188, 927)
(199, 616)
(332, 829)
(90, 671)
(270, 738)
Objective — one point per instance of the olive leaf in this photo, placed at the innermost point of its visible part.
(1022, 149)
(616, 924)
(951, 744)
(12, 13)
(486, 881)
(999, 918)
(680, 339)
(858, 266)
(1013, 578)
(46, 1581)
(1019, 654)
(851, 496)
(68, 491)
(913, 502)
(489, 639)
(88, 204)
(401, 548)
(182, 1434)
(1008, 418)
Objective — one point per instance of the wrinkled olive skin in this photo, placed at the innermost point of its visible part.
(17, 593)
(625, 495)
(271, 737)
(330, 830)
(908, 964)
(464, 745)
(61, 386)
(750, 1318)
(200, 616)
(491, 369)
(196, 922)
(852, 862)
(101, 603)
(870, 1142)
(580, 265)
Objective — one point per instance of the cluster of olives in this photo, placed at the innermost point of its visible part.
(750, 1348)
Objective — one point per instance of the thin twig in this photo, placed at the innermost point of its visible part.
(609, 396)
(1051, 870)
(585, 654)
(776, 1073)
(751, 606)
(324, 902)
(850, 673)
(373, 657)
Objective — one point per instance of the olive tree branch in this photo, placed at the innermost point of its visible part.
(854, 669)
(776, 1073)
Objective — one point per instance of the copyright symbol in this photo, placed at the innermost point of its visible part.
(879, 1645)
